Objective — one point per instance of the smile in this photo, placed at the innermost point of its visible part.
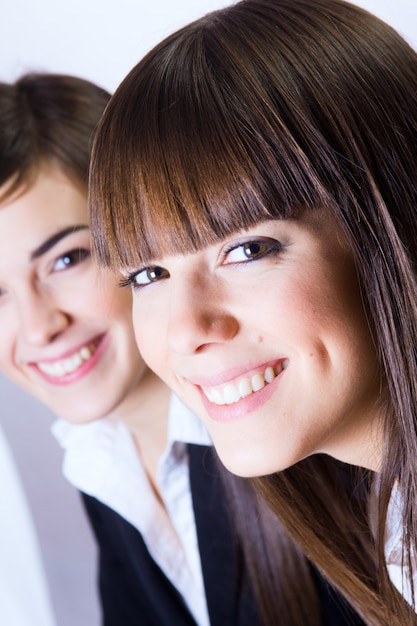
(232, 392)
(57, 369)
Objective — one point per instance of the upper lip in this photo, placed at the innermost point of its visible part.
(69, 352)
(231, 374)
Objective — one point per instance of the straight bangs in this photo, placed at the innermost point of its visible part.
(251, 113)
(202, 146)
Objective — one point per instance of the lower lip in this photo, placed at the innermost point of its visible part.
(229, 412)
(79, 373)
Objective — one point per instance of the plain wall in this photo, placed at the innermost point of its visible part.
(99, 40)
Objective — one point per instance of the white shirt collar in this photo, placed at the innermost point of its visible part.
(183, 426)
(100, 456)
(394, 530)
(101, 460)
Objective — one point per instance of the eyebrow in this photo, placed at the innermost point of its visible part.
(54, 239)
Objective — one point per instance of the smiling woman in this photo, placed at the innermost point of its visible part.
(172, 548)
(310, 332)
(56, 339)
(264, 158)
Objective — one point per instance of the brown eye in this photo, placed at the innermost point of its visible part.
(71, 258)
(155, 273)
(251, 250)
(149, 275)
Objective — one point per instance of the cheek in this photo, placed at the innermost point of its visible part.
(322, 314)
(6, 363)
(108, 298)
(9, 348)
(112, 303)
(146, 334)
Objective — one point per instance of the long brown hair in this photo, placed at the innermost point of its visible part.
(249, 114)
(52, 118)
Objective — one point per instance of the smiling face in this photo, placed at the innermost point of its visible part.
(264, 336)
(66, 327)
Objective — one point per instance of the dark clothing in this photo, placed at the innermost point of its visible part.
(135, 592)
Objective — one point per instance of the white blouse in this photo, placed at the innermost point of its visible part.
(101, 460)
(399, 574)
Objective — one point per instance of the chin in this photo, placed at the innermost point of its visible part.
(81, 415)
(77, 419)
(259, 459)
(247, 464)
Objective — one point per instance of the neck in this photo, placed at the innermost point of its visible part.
(145, 413)
(145, 409)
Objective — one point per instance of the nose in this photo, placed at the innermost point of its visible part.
(40, 319)
(199, 318)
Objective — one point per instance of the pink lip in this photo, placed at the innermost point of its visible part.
(231, 374)
(229, 412)
(82, 371)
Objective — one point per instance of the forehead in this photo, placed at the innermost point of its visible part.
(49, 196)
(33, 213)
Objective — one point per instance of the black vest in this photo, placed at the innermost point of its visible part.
(135, 592)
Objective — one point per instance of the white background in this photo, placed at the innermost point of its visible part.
(102, 39)
(99, 40)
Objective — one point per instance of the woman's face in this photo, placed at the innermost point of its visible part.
(264, 336)
(65, 325)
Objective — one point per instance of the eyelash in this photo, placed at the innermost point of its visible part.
(77, 256)
(272, 247)
(130, 281)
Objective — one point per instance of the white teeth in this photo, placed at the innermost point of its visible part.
(85, 353)
(217, 397)
(69, 365)
(258, 382)
(233, 392)
(56, 369)
(245, 388)
(269, 374)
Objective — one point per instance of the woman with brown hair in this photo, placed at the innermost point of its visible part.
(170, 552)
(255, 180)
